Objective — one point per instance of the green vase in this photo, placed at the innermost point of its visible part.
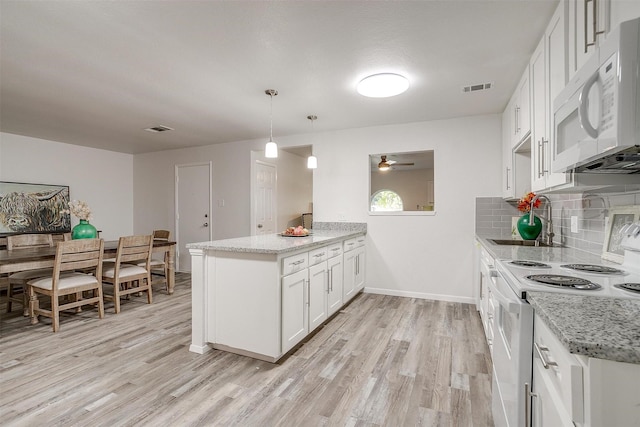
(529, 232)
(84, 230)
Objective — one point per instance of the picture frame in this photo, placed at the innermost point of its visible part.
(618, 217)
(33, 208)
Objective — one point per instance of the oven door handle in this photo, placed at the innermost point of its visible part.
(509, 304)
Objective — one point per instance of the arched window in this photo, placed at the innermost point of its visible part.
(386, 201)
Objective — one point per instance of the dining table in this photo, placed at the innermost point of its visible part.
(35, 258)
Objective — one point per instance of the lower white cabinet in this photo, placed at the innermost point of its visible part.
(354, 267)
(318, 294)
(334, 295)
(295, 322)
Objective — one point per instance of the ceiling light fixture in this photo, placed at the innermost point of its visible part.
(271, 149)
(384, 165)
(312, 161)
(383, 85)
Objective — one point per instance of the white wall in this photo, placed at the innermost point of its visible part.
(422, 256)
(411, 185)
(295, 189)
(103, 179)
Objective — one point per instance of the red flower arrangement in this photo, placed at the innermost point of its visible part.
(524, 204)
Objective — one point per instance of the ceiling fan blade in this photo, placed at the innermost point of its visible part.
(404, 164)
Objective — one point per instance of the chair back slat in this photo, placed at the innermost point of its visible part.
(23, 241)
(134, 248)
(164, 235)
(78, 255)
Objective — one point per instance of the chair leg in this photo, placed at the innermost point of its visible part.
(100, 303)
(116, 296)
(78, 297)
(149, 290)
(55, 313)
(25, 301)
(9, 296)
(33, 305)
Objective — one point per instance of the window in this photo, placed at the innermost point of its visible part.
(386, 201)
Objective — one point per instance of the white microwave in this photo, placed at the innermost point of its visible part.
(597, 115)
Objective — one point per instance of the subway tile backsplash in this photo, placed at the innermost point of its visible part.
(493, 217)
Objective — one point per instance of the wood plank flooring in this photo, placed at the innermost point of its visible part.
(382, 361)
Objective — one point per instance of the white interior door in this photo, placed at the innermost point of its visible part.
(264, 199)
(193, 209)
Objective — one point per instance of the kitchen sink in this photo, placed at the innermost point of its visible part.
(510, 242)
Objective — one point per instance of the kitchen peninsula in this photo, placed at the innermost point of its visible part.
(259, 296)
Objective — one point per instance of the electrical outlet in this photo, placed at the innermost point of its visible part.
(574, 224)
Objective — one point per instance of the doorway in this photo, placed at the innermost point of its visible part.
(193, 209)
(264, 200)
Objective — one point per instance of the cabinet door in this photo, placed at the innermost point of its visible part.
(588, 25)
(360, 268)
(295, 324)
(508, 191)
(540, 115)
(546, 406)
(349, 283)
(334, 297)
(523, 107)
(318, 288)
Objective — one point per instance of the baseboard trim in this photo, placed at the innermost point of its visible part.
(200, 349)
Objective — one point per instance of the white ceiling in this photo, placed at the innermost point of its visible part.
(96, 73)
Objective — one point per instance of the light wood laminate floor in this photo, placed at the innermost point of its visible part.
(382, 360)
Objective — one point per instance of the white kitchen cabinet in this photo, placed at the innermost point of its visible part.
(548, 78)
(318, 293)
(295, 321)
(517, 119)
(336, 278)
(588, 25)
(558, 389)
(508, 187)
(487, 307)
(354, 267)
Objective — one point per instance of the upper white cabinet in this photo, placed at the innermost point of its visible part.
(548, 77)
(518, 110)
(588, 25)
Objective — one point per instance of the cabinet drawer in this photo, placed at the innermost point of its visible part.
(561, 368)
(354, 242)
(334, 250)
(318, 255)
(295, 263)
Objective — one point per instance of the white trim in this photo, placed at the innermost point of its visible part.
(420, 295)
(401, 213)
(176, 204)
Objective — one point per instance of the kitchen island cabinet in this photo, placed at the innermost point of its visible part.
(259, 296)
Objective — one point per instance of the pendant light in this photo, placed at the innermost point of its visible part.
(312, 161)
(271, 149)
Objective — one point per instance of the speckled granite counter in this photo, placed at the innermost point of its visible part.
(537, 253)
(275, 243)
(599, 327)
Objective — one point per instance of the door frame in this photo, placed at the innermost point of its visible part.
(256, 159)
(177, 203)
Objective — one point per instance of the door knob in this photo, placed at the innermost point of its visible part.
(259, 225)
(206, 224)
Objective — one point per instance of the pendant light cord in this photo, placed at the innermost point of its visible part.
(271, 119)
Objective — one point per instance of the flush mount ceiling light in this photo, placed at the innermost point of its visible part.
(312, 161)
(271, 149)
(383, 85)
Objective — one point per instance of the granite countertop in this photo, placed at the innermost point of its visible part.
(538, 253)
(599, 327)
(275, 243)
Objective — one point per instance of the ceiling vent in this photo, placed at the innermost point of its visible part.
(478, 87)
(158, 128)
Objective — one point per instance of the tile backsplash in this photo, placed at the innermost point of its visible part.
(493, 217)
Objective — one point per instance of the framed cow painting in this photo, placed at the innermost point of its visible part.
(33, 208)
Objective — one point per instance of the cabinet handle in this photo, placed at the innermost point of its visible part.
(543, 158)
(300, 261)
(545, 362)
(319, 255)
(515, 120)
(594, 6)
(330, 284)
(528, 394)
(539, 148)
(508, 186)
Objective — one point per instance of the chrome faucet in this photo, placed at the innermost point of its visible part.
(548, 229)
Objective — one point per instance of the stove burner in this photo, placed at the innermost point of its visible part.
(564, 281)
(530, 264)
(631, 287)
(590, 268)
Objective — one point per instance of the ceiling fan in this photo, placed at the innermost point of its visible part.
(386, 164)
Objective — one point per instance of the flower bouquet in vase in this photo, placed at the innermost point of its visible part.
(84, 230)
(528, 229)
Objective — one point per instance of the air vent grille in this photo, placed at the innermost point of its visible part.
(158, 128)
(477, 87)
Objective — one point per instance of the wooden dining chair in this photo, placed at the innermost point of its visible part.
(159, 267)
(17, 282)
(130, 273)
(66, 280)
